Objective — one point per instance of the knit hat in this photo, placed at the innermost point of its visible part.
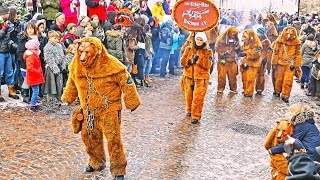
(310, 37)
(261, 31)
(39, 17)
(3, 10)
(201, 35)
(70, 26)
(32, 44)
(58, 14)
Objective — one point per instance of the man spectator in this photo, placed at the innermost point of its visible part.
(6, 67)
(59, 24)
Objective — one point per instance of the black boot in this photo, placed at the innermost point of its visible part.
(144, 83)
(119, 177)
(25, 95)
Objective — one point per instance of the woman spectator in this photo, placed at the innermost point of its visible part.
(69, 8)
(97, 31)
(155, 31)
(30, 32)
(308, 49)
(149, 53)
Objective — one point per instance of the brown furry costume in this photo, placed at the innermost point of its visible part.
(286, 54)
(228, 68)
(200, 74)
(272, 35)
(278, 162)
(212, 35)
(251, 63)
(110, 81)
(189, 42)
(265, 54)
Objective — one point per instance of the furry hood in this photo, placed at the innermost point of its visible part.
(300, 113)
(223, 38)
(292, 42)
(113, 33)
(253, 42)
(104, 64)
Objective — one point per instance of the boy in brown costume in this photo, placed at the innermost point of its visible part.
(100, 81)
(251, 63)
(286, 62)
(227, 46)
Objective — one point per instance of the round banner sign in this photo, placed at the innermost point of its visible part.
(196, 15)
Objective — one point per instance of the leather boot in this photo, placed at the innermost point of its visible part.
(148, 79)
(25, 94)
(12, 92)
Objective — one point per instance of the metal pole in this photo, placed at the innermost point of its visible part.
(298, 8)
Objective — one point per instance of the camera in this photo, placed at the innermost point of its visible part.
(12, 45)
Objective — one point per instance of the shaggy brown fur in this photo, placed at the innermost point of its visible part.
(229, 69)
(201, 74)
(110, 81)
(286, 53)
(278, 135)
(252, 47)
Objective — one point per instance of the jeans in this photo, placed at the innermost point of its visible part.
(305, 74)
(139, 61)
(147, 66)
(6, 68)
(174, 59)
(16, 68)
(164, 55)
(155, 60)
(35, 93)
(129, 68)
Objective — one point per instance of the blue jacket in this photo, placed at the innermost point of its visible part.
(308, 134)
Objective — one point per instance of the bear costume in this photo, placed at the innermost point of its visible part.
(286, 62)
(100, 81)
(227, 46)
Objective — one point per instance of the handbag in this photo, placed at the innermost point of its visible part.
(134, 69)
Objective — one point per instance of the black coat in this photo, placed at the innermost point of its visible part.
(55, 27)
(4, 41)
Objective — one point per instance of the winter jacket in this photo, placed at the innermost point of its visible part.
(71, 17)
(99, 33)
(166, 38)
(308, 48)
(114, 44)
(34, 69)
(166, 7)
(54, 56)
(315, 70)
(307, 132)
(4, 40)
(55, 27)
(50, 11)
(132, 46)
(68, 39)
(157, 11)
(66, 62)
(94, 7)
(22, 40)
(43, 39)
(149, 48)
(297, 25)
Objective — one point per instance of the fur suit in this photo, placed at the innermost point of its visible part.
(109, 80)
(251, 63)
(265, 54)
(278, 163)
(286, 60)
(200, 74)
(189, 42)
(227, 46)
(272, 35)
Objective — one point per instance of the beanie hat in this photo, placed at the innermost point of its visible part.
(3, 10)
(39, 17)
(70, 26)
(261, 31)
(310, 37)
(58, 14)
(201, 35)
(32, 44)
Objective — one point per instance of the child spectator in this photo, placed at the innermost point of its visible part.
(70, 36)
(34, 71)
(71, 51)
(53, 56)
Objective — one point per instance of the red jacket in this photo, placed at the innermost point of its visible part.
(94, 8)
(71, 17)
(34, 70)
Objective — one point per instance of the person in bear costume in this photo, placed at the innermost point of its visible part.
(227, 46)
(286, 62)
(100, 81)
(196, 60)
(251, 63)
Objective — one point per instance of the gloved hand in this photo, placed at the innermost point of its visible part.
(242, 54)
(193, 60)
